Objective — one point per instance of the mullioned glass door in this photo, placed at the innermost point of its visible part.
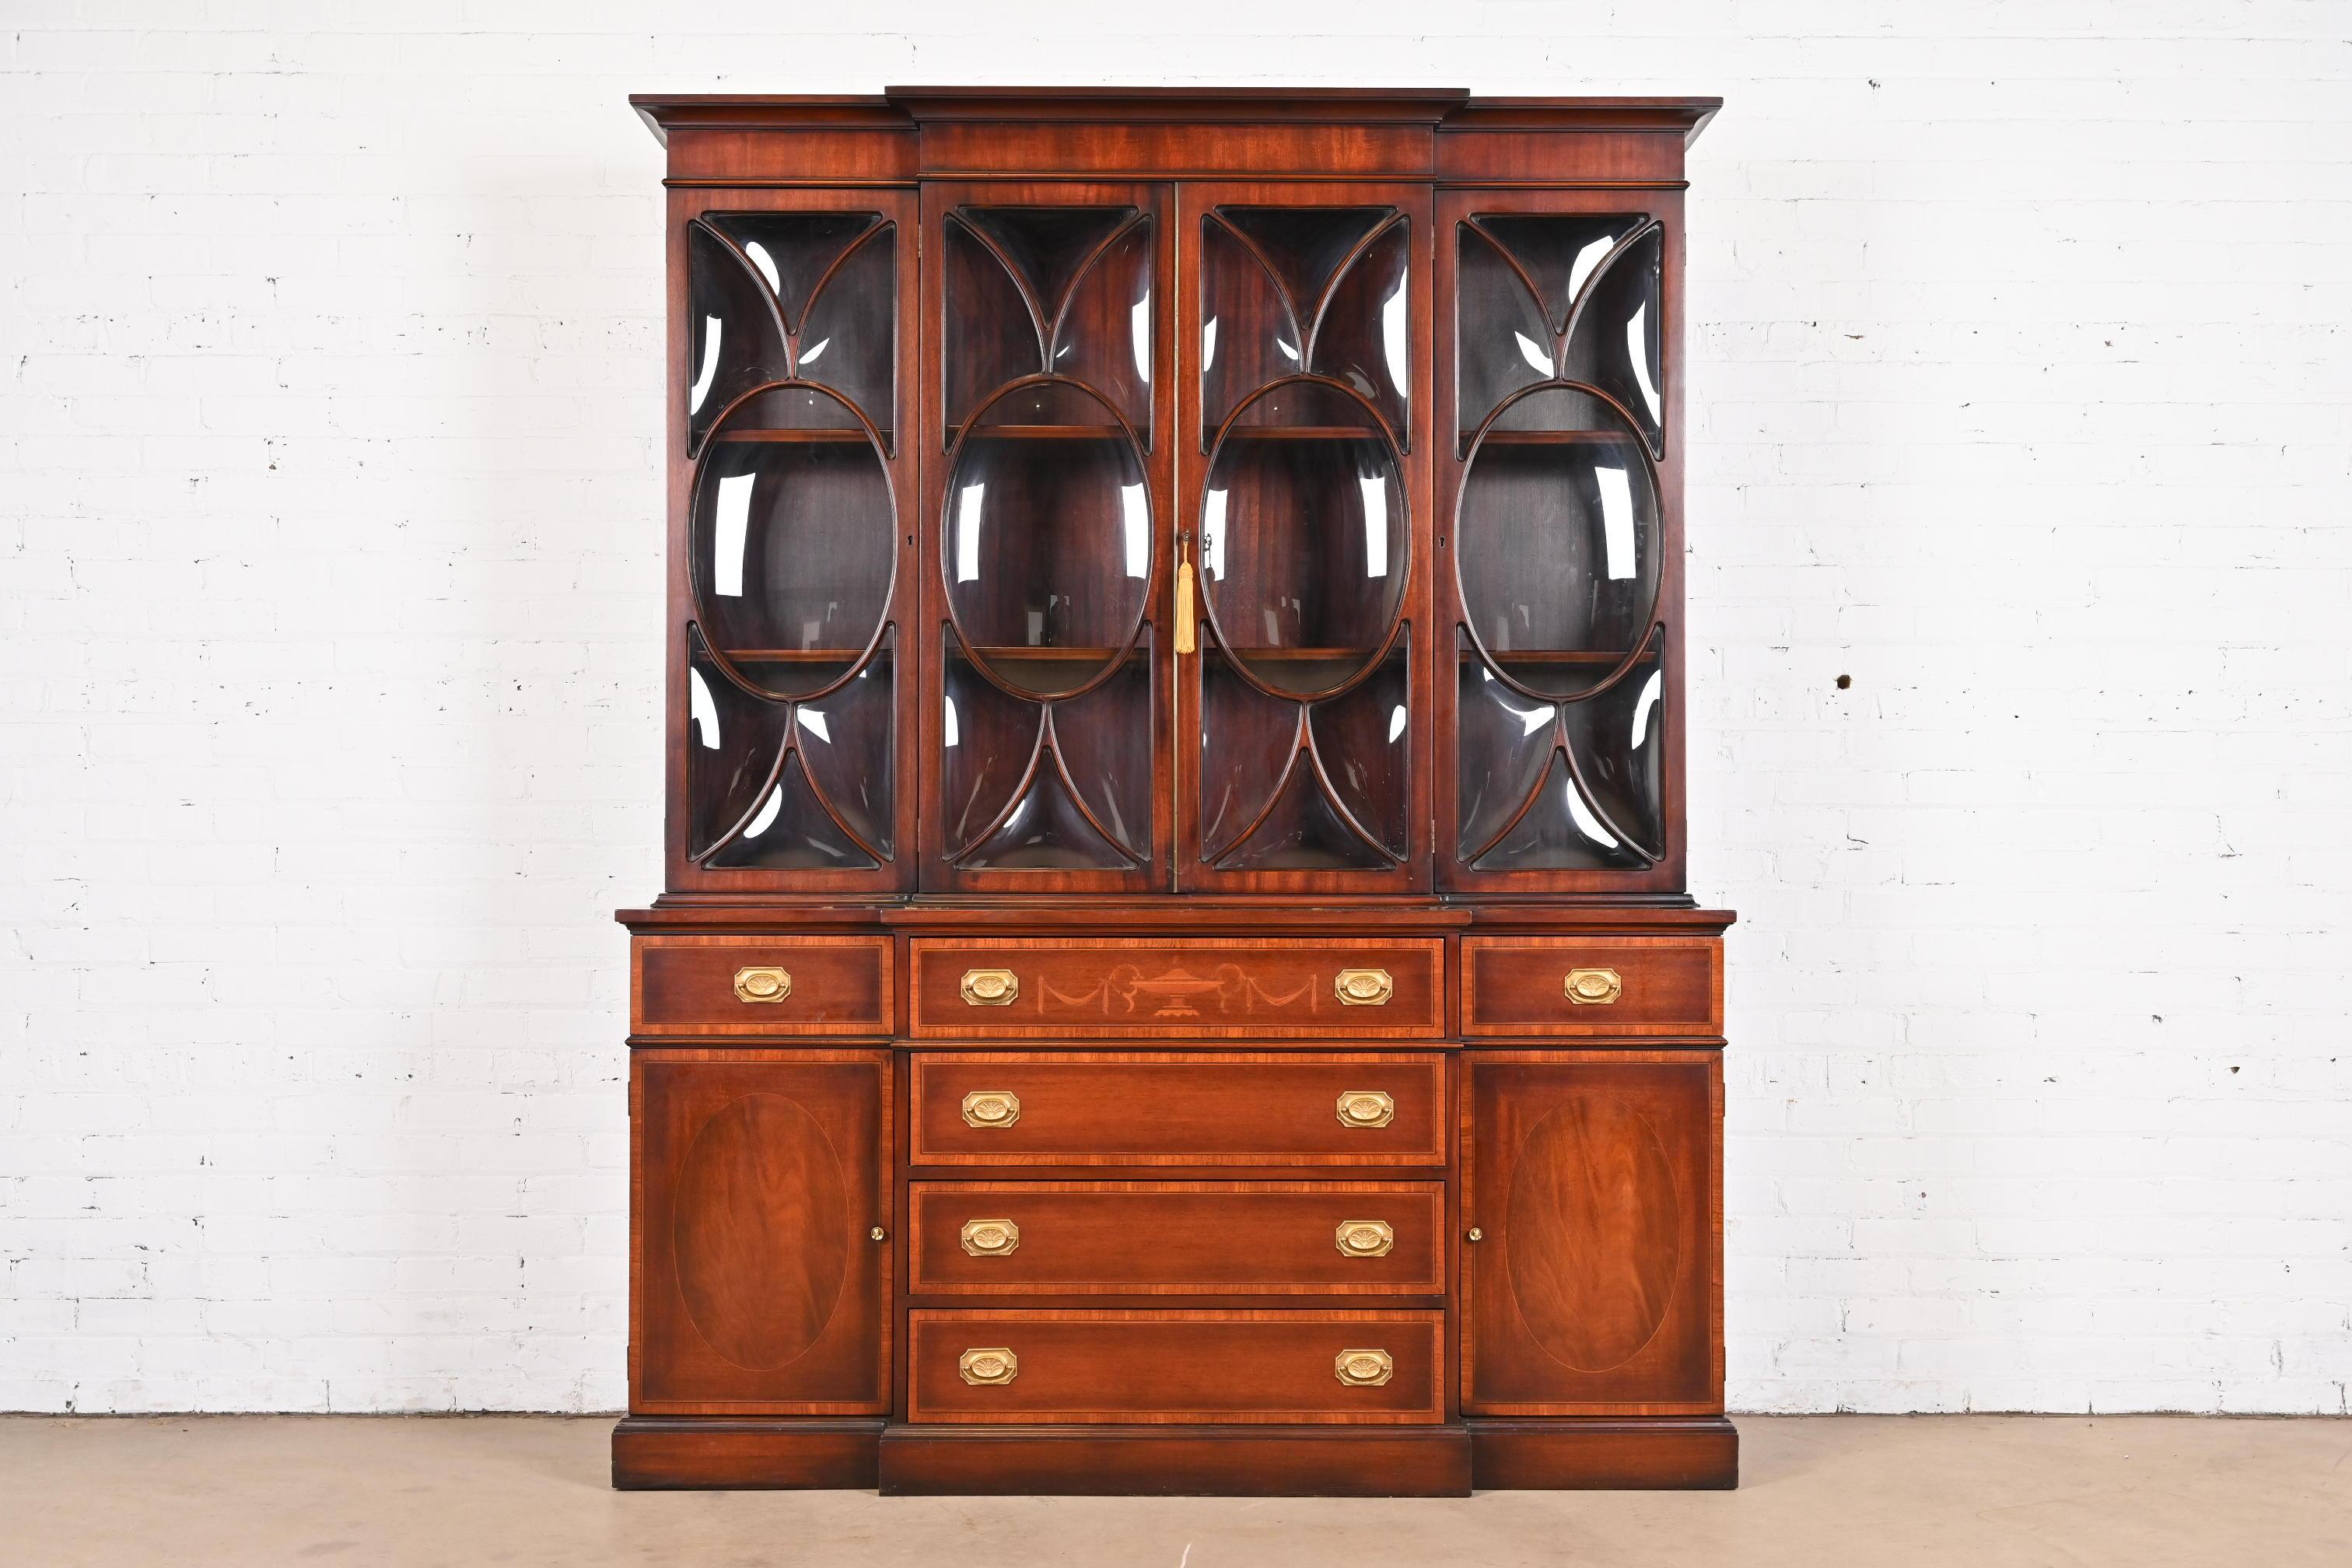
(790, 468)
(1303, 519)
(1048, 425)
(1559, 762)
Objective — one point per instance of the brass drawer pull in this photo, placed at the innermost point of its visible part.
(1366, 1108)
(991, 1107)
(991, 987)
(762, 984)
(1365, 1238)
(991, 1237)
(1363, 987)
(1363, 1369)
(994, 1364)
(1592, 988)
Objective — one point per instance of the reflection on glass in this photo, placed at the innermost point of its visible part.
(740, 344)
(1616, 343)
(1060, 291)
(794, 543)
(1573, 786)
(1302, 540)
(1049, 538)
(1364, 337)
(1362, 738)
(776, 295)
(1286, 290)
(1556, 542)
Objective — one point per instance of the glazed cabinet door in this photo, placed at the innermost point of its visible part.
(759, 1284)
(1591, 1265)
(791, 471)
(1560, 493)
(1303, 667)
(1046, 433)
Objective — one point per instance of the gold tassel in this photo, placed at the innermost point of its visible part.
(1185, 641)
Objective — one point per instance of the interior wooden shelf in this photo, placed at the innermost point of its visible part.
(791, 437)
(1558, 438)
(1547, 655)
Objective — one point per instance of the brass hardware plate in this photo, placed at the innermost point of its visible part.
(1365, 1238)
(991, 987)
(1592, 988)
(991, 1237)
(1367, 1108)
(1363, 1369)
(994, 1364)
(991, 1107)
(763, 985)
(1363, 987)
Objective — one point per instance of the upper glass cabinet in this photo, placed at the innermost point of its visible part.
(1303, 542)
(1048, 539)
(1558, 542)
(793, 543)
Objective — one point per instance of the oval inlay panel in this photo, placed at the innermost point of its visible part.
(761, 1232)
(1594, 1233)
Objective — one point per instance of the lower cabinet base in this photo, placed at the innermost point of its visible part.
(1688, 1453)
(1662, 1453)
(654, 1453)
(1177, 1461)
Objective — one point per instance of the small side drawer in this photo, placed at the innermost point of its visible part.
(1176, 1238)
(764, 985)
(1134, 1107)
(1175, 1366)
(1271, 988)
(1540, 986)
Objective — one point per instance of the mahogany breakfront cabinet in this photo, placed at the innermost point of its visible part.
(1175, 972)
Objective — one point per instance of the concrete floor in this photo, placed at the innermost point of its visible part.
(1819, 1492)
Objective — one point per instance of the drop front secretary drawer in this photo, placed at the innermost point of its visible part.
(1154, 988)
(1123, 1107)
(1583, 986)
(1168, 1366)
(691, 985)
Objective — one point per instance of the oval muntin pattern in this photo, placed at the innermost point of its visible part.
(1307, 325)
(787, 335)
(1567, 333)
(1125, 647)
(761, 1292)
(1561, 743)
(1593, 1237)
(1047, 318)
(698, 590)
(1379, 651)
(1461, 596)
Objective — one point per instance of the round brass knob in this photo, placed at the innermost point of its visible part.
(877, 1233)
(1366, 1108)
(1476, 1234)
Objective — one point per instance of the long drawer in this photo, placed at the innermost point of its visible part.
(1150, 1238)
(1209, 1107)
(764, 985)
(1581, 987)
(1155, 988)
(1172, 1366)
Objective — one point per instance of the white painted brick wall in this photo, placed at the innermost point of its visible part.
(329, 532)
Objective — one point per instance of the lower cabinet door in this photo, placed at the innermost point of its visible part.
(757, 1284)
(1593, 1181)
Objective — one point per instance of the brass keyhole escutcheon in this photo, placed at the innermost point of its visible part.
(762, 984)
(991, 1107)
(991, 987)
(991, 1237)
(992, 1365)
(1363, 987)
(1365, 1238)
(1366, 1108)
(1592, 988)
(1363, 1369)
